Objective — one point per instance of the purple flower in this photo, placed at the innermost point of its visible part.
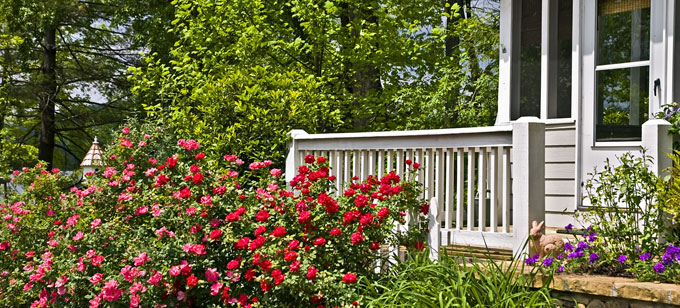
(593, 257)
(575, 255)
(568, 246)
(673, 251)
(659, 268)
(592, 237)
(622, 259)
(532, 260)
(568, 227)
(547, 262)
(645, 256)
(667, 258)
(561, 269)
(582, 245)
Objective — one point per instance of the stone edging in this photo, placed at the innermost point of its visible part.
(617, 287)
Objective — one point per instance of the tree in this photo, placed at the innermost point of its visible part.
(360, 65)
(69, 70)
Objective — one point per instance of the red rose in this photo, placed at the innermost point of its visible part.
(293, 245)
(260, 230)
(357, 238)
(290, 256)
(304, 217)
(366, 219)
(278, 276)
(185, 193)
(375, 245)
(349, 278)
(295, 266)
(198, 178)
(195, 169)
(215, 234)
(321, 160)
(242, 243)
(262, 216)
(320, 241)
(250, 274)
(361, 200)
(200, 156)
(335, 232)
(383, 212)
(309, 159)
(311, 273)
(419, 245)
(279, 232)
(192, 281)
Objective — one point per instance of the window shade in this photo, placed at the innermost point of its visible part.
(606, 7)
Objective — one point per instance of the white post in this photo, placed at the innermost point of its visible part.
(433, 227)
(292, 160)
(528, 178)
(658, 142)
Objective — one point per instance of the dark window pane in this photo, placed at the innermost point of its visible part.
(564, 31)
(623, 31)
(530, 59)
(622, 103)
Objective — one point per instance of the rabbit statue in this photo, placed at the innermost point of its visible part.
(545, 245)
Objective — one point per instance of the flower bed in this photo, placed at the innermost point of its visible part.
(166, 226)
(627, 220)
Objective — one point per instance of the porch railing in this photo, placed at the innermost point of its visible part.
(467, 173)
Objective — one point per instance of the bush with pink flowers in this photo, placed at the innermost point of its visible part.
(168, 226)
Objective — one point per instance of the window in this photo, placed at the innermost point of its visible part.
(563, 55)
(622, 70)
(530, 60)
(534, 49)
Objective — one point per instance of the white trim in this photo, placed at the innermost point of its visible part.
(657, 55)
(670, 56)
(617, 144)
(576, 92)
(505, 62)
(410, 133)
(606, 67)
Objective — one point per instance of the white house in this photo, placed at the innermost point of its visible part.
(580, 81)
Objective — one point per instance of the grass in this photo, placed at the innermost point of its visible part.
(454, 282)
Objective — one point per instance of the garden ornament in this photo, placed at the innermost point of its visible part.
(542, 244)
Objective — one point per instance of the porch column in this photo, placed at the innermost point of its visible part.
(658, 143)
(528, 178)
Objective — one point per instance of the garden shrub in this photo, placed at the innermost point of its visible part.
(624, 206)
(180, 228)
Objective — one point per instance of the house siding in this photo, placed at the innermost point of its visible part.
(560, 170)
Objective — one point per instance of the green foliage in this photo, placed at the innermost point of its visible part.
(625, 212)
(244, 73)
(670, 194)
(453, 282)
(86, 93)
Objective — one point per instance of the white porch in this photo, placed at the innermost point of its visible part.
(488, 183)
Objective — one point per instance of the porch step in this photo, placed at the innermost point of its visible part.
(478, 252)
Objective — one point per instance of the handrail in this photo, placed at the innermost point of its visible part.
(415, 139)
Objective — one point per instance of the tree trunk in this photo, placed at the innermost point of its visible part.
(452, 51)
(47, 95)
(366, 76)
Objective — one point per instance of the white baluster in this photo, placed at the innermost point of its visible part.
(506, 190)
(471, 189)
(493, 181)
(460, 187)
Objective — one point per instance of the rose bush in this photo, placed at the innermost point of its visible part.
(164, 228)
